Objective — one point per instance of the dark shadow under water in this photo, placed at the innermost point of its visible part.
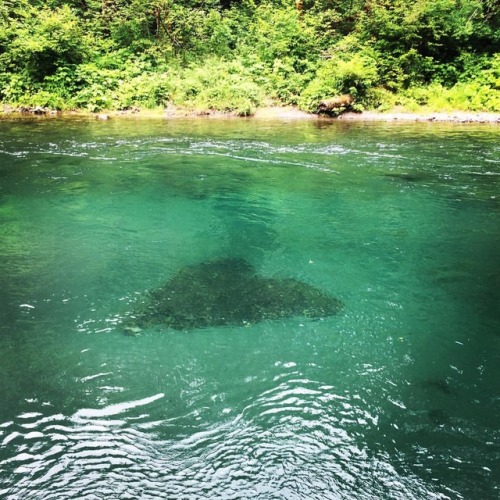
(228, 292)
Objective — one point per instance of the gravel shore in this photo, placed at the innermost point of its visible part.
(372, 116)
(452, 117)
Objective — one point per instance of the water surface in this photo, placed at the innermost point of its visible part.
(397, 396)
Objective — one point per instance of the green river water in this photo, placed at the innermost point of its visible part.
(395, 397)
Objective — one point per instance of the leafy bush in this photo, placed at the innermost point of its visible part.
(282, 81)
(13, 87)
(45, 99)
(280, 34)
(43, 40)
(465, 96)
(95, 85)
(218, 85)
(147, 90)
(380, 98)
(422, 40)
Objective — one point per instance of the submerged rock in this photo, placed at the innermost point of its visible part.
(439, 417)
(228, 292)
(439, 385)
(408, 177)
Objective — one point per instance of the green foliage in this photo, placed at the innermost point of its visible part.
(182, 29)
(421, 40)
(279, 34)
(219, 86)
(479, 94)
(42, 40)
(95, 86)
(148, 90)
(13, 87)
(229, 55)
(102, 86)
(281, 50)
(472, 96)
(45, 98)
(284, 82)
(490, 74)
(352, 74)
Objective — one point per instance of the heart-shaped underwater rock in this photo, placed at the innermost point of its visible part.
(227, 292)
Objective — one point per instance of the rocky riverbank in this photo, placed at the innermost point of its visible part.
(264, 113)
(450, 117)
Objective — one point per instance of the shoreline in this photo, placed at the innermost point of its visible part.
(429, 117)
(378, 116)
(264, 113)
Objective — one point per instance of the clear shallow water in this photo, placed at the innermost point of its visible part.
(396, 397)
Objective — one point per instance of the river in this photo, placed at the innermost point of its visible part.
(394, 397)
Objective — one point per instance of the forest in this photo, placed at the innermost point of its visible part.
(235, 56)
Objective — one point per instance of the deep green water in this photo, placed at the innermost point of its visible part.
(396, 397)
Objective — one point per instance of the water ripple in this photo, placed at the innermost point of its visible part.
(294, 440)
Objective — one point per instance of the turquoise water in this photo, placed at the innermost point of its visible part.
(395, 397)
